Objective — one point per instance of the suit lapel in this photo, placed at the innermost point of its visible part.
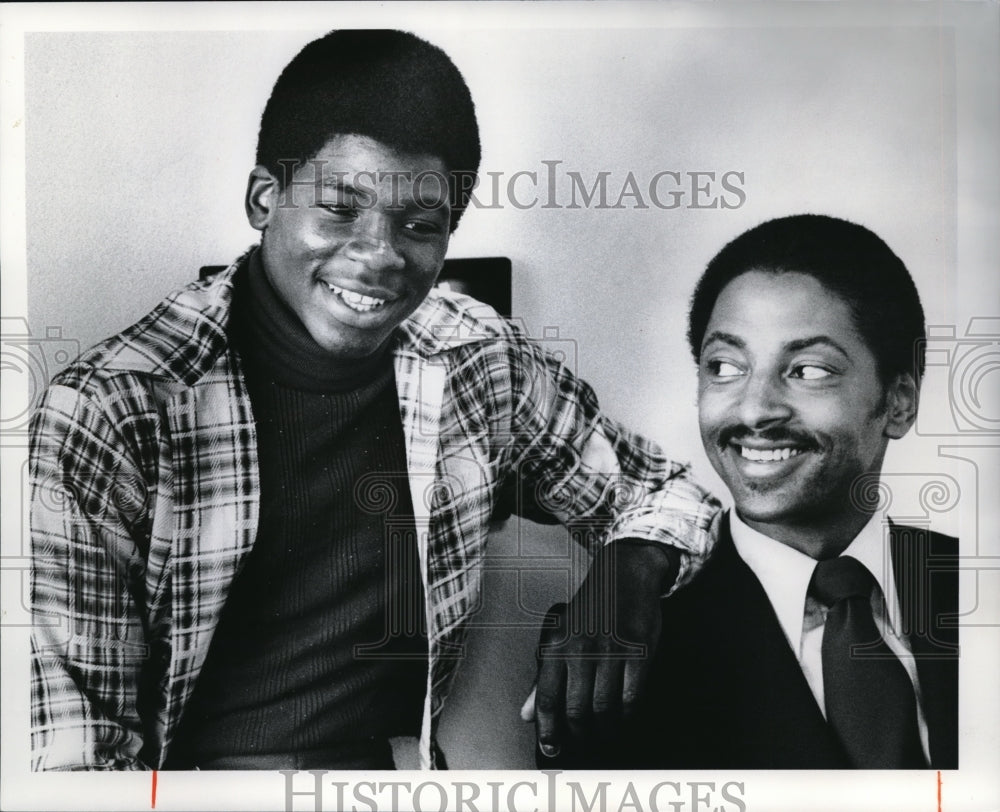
(782, 722)
(925, 569)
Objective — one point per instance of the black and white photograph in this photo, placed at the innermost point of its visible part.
(500, 406)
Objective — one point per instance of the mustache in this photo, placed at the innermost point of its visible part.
(774, 434)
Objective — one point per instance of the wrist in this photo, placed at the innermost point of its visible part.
(641, 564)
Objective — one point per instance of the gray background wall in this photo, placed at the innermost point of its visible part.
(138, 144)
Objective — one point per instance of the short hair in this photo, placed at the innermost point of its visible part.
(388, 85)
(850, 261)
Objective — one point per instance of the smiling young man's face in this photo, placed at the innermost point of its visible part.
(355, 253)
(792, 409)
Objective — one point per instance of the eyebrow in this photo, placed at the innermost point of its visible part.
(339, 185)
(725, 338)
(812, 341)
(368, 196)
(792, 346)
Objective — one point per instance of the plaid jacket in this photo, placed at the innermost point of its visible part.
(145, 495)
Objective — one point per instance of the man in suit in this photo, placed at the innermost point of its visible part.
(817, 635)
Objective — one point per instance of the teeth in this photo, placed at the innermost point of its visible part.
(356, 301)
(768, 454)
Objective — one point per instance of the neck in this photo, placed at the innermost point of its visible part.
(819, 537)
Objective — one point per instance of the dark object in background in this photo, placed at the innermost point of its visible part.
(487, 279)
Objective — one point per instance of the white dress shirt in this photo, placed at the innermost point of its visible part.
(785, 573)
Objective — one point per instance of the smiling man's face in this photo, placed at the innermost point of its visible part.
(354, 244)
(791, 407)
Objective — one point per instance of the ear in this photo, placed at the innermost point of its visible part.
(901, 401)
(261, 198)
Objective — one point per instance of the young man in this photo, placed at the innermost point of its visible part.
(817, 635)
(258, 514)
(820, 628)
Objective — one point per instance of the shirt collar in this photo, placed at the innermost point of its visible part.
(871, 547)
(445, 321)
(784, 572)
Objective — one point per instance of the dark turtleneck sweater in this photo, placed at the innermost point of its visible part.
(321, 651)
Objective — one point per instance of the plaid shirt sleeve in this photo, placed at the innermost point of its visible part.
(519, 432)
(601, 480)
(88, 641)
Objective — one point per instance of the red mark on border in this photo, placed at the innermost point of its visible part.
(153, 802)
(939, 791)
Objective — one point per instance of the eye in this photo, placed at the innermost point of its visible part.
(723, 369)
(810, 372)
(342, 211)
(424, 228)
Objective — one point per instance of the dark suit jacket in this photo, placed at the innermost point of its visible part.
(726, 689)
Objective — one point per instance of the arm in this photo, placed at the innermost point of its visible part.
(88, 642)
(603, 482)
(648, 525)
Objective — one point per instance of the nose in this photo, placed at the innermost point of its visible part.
(372, 244)
(763, 401)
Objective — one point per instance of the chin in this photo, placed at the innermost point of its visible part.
(771, 508)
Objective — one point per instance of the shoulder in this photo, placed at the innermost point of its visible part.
(936, 542)
(724, 588)
(124, 377)
(917, 553)
(177, 342)
(447, 321)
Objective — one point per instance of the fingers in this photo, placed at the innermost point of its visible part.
(549, 702)
(635, 676)
(638, 668)
(579, 695)
(528, 708)
(550, 686)
(607, 701)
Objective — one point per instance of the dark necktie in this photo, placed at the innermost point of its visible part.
(869, 697)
